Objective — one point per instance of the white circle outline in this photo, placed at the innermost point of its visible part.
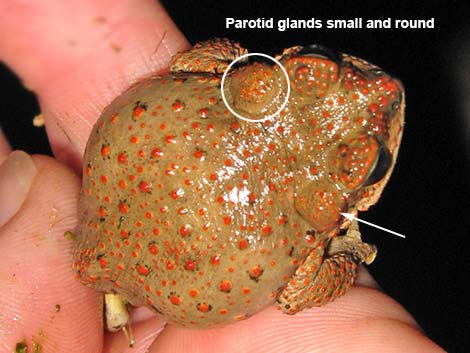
(241, 116)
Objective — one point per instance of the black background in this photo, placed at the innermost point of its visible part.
(427, 197)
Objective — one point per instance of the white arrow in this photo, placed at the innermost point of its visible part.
(351, 217)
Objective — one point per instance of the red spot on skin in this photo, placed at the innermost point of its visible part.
(153, 249)
(310, 238)
(226, 286)
(215, 259)
(373, 108)
(138, 111)
(185, 230)
(102, 212)
(122, 157)
(251, 198)
(114, 118)
(143, 270)
(203, 113)
(177, 106)
(182, 210)
(227, 220)
(104, 179)
(198, 154)
(170, 139)
(145, 187)
(256, 272)
(157, 152)
(193, 293)
(175, 300)
(175, 194)
(190, 265)
(204, 308)
(223, 311)
(243, 244)
(105, 151)
(282, 219)
(134, 139)
(267, 230)
(103, 262)
(235, 125)
(170, 265)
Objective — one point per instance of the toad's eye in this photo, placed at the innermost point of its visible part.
(317, 50)
(382, 165)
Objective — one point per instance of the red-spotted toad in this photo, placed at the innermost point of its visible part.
(206, 218)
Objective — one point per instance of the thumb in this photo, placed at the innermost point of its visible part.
(40, 302)
(16, 176)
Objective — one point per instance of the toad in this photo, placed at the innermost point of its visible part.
(207, 218)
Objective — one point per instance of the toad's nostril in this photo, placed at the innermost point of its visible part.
(321, 51)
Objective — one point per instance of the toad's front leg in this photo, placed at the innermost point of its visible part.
(326, 273)
(211, 56)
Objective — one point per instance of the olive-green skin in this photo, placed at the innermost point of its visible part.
(204, 217)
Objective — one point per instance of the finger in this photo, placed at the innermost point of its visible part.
(139, 314)
(365, 279)
(85, 54)
(144, 333)
(17, 173)
(365, 320)
(40, 300)
(5, 148)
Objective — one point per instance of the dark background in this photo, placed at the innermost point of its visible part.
(427, 197)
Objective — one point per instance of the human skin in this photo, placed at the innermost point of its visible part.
(77, 56)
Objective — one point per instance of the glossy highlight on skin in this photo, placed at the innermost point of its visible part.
(206, 218)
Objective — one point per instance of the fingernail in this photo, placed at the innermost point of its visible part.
(17, 173)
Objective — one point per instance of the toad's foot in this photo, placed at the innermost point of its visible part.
(326, 274)
(117, 316)
(211, 56)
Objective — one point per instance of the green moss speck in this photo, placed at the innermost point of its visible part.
(21, 347)
(69, 235)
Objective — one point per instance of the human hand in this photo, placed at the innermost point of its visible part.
(76, 56)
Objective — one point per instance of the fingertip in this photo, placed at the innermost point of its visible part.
(365, 279)
(39, 296)
(5, 148)
(17, 173)
(86, 54)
